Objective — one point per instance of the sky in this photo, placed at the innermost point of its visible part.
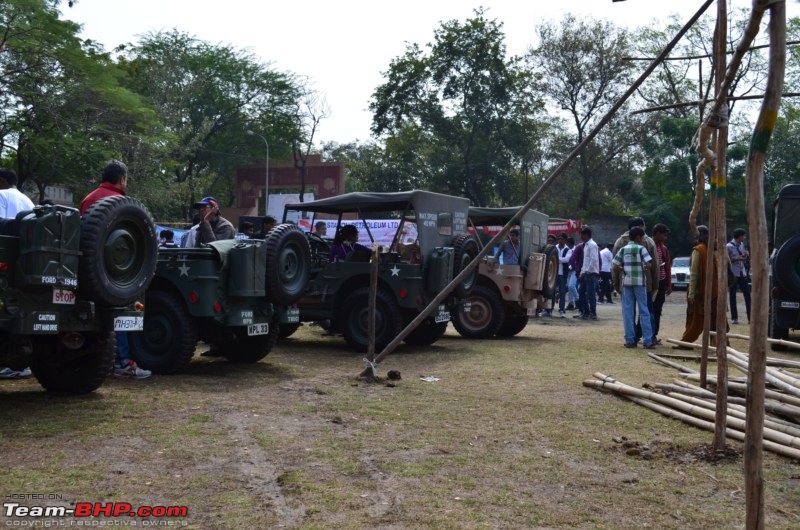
(343, 47)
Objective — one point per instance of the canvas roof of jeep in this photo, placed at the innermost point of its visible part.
(366, 201)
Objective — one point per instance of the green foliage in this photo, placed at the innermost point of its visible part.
(458, 106)
(207, 97)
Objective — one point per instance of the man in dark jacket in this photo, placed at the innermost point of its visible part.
(212, 227)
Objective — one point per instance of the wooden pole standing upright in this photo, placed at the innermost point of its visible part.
(719, 188)
(756, 220)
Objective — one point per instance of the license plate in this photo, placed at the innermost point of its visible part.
(467, 307)
(291, 316)
(257, 329)
(790, 305)
(128, 323)
(63, 296)
(442, 316)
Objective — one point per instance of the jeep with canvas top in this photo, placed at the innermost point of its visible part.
(507, 295)
(232, 294)
(411, 270)
(67, 283)
(784, 280)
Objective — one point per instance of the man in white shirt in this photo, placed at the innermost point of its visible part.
(606, 285)
(12, 201)
(590, 273)
(564, 255)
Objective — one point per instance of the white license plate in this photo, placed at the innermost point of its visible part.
(63, 296)
(128, 323)
(467, 307)
(442, 317)
(790, 305)
(257, 329)
(292, 316)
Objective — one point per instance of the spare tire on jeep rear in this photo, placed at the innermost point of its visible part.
(786, 269)
(465, 248)
(288, 264)
(119, 251)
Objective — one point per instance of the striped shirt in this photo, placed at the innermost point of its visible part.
(632, 258)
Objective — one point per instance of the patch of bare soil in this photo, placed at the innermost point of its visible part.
(667, 450)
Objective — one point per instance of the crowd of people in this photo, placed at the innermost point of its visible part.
(637, 269)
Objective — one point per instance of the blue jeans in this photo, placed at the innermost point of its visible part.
(588, 293)
(741, 283)
(572, 285)
(561, 282)
(123, 349)
(632, 297)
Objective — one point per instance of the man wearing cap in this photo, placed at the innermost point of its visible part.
(212, 227)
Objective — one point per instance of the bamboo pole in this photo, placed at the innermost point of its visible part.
(756, 219)
(607, 383)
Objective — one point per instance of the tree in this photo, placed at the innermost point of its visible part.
(583, 72)
(207, 97)
(462, 98)
(63, 107)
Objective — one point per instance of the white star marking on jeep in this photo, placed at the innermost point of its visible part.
(395, 271)
(184, 270)
(498, 271)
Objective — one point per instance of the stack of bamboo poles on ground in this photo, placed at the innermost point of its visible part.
(696, 406)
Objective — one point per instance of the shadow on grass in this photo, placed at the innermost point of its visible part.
(36, 413)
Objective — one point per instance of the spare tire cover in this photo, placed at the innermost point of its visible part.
(465, 248)
(119, 251)
(288, 264)
(786, 267)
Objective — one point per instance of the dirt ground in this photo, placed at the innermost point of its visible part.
(475, 434)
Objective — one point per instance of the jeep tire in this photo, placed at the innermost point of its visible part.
(167, 343)
(61, 370)
(287, 330)
(787, 267)
(465, 248)
(512, 325)
(288, 264)
(119, 251)
(485, 316)
(550, 275)
(426, 334)
(354, 319)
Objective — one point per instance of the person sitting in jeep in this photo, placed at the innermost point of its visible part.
(345, 242)
(212, 227)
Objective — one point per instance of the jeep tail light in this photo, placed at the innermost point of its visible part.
(217, 307)
(194, 297)
(138, 306)
(420, 300)
(506, 288)
(4, 266)
(402, 293)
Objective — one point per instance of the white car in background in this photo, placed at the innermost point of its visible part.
(680, 273)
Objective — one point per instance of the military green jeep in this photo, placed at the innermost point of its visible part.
(232, 294)
(412, 269)
(785, 264)
(66, 283)
(507, 295)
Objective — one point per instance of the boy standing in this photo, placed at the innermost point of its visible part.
(633, 262)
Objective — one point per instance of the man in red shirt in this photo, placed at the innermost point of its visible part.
(115, 180)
